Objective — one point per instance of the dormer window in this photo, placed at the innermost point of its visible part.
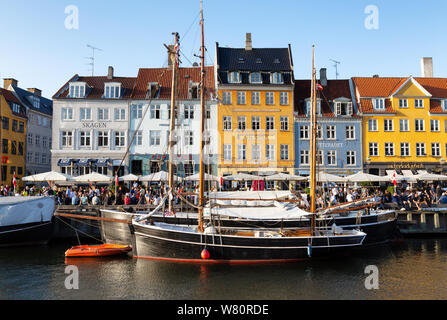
(15, 108)
(255, 77)
(308, 107)
(241, 60)
(234, 77)
(152, 90)
(77, 90)
(36, 102)
(258, 60)
(277, 78)
(379, 104)
(444, 105)
(112, 90)
(194, 90)
(343, 108)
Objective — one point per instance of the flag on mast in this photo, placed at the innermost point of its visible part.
(14, 181)
(394, 179)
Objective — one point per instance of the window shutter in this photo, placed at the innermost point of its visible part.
(337, 108)
(349, 111)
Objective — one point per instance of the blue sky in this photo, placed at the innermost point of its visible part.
(39, 51)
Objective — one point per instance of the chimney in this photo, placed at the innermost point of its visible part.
(8, 82)
(323, 77)
(171, 56)
(376, 76)
(248, 43)
(110, 73)
(427, 67)
(35, 91)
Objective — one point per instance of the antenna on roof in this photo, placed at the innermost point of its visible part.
(336, 68)
(92, 58)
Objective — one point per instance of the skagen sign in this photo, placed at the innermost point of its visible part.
(94, 125)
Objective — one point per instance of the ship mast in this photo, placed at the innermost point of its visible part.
(173, 56)
(313, 145)
(202, 125)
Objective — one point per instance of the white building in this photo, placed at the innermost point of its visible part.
(91, 125)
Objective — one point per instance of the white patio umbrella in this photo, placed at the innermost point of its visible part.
(129, 178)
(51, 176)
(366, 177)
(400, 178)
(242, 177)
(94, 177)
(430, 177)
(285, 177)
(157, 177)
(327, 177)
(207, 177)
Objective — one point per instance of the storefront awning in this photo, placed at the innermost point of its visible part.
(83, 162)
(101, 162)
(116, 163)
(64, 162)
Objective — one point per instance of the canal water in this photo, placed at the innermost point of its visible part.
(415, 269)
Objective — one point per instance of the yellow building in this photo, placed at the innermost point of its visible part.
(255, 111)
(404, 123)
(12, 137)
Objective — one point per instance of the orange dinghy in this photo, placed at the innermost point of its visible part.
(104, 250)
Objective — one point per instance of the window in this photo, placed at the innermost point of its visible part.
(304, 132)
(189, 138)
(241, 123)
(227, 152)
(5, 147)
(284, 123)
(304, 157)
(372, 124)
(284, 98)
(67, 114)
(270, 152)
(208, 112)
(373, 149)
(37, 157)
(44, 158)
(189, 112)
(269, 98)
(29, 157)
(256, 123)
(270, 123)
(444, 105)
(226, 97)
(418, 103)
(137, 111)
(389, 149)
(320, 158)
(284, 152)
(120, 138)
(86, 114)
(112, 90)
(15, 124)
(119, 114)
(241, 97)
(241, 152)
(388, 125)
(404, 125)
(85, 138)
(419, 125)
(319, 132)
(103, 138)
(13, 147)
(5, 123)
(67, 138)
(154, 137)
(350, 158)
(103, 114)
(434, 125)
(138, 140)
(227, 123)
(77, 90)
(330, 132)
(234, 77)
(15, 108)
(342, 108)
(277, 78)
(403, 103)
(379, 104)
(44, 142)
(256, 152)
(420, 150)
(255, 98)
(21, 148)
(350, 132)
(37, 140)
(255, 77)
(436, 149)
(332, 158)
(404, 149)
(30, 138)
(156, 112)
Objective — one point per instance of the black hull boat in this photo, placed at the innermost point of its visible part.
(26, 221)
(161, 241)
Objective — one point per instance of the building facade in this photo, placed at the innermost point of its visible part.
(255, 111)
(150, 117)
(91, 125)
(339, 133)
(39, 127)
(12, 137)
(404, 123)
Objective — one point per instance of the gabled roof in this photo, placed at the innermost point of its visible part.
(11, 98)
(163, 76)
(96, 86)
(334, 89)
(366, 106)
(46, 105)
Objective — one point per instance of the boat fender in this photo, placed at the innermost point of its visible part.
(309, 250)
(205, 254)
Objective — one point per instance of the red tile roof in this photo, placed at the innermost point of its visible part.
(163, 76)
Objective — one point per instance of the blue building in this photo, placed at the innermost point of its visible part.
(339, 134)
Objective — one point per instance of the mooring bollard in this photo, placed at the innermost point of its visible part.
(409, 217)
(436, 216)
(423, 218)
